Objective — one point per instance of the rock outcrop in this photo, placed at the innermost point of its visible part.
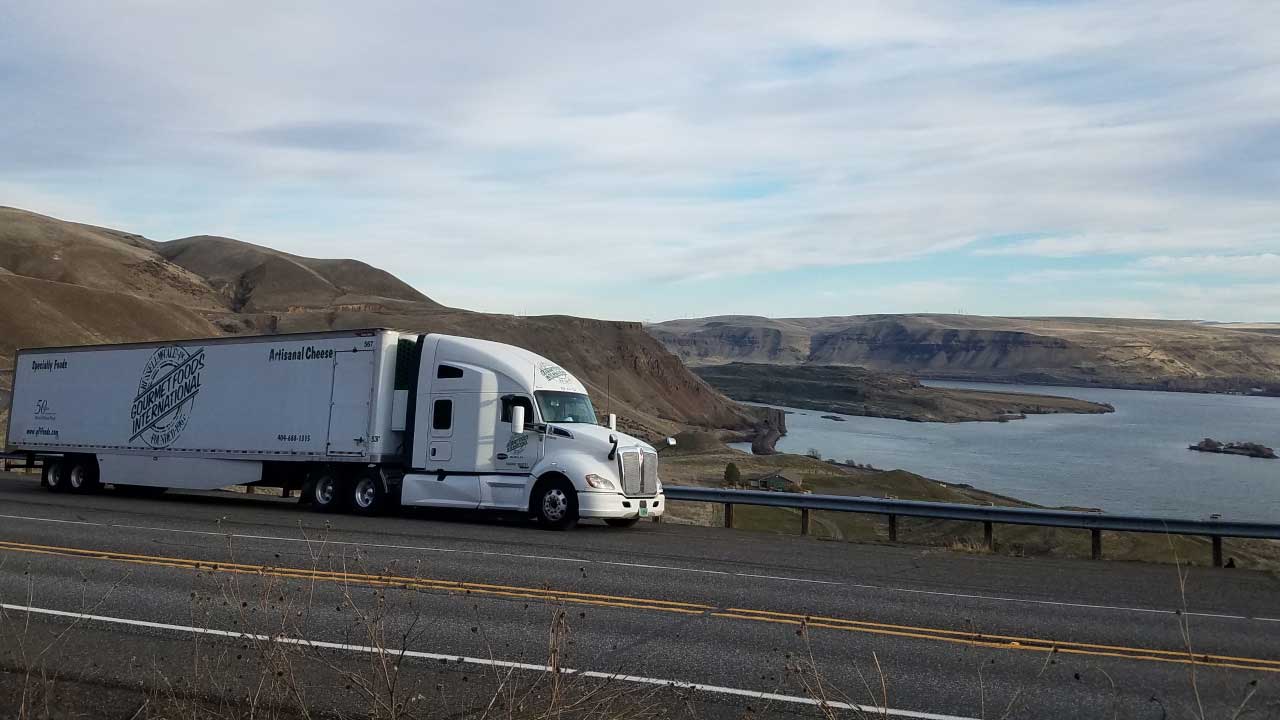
(1141, 354)
(1248, 449)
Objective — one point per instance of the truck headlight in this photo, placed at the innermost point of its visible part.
(599, 482)
(659, 491)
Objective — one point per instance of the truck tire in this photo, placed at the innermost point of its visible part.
(368, 495)
(622, 522)
(556, 504)
(328, 493)
(82, 475)
(53, 476)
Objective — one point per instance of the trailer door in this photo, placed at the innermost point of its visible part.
(349, 402)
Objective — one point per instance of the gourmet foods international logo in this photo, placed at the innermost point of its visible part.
(166, 393)
(552, 373)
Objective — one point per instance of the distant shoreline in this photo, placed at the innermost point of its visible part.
(859, 392)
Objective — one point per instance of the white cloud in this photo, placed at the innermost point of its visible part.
(510, 142)
(1260, 265)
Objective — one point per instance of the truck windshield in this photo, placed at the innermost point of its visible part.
(565, 407)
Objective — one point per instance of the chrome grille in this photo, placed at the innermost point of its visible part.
(632, 482)
(649, 474)
(639, 473)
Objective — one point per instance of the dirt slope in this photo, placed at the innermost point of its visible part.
(62, 283)
(42, 247)
(252, 278)
(1175, 355)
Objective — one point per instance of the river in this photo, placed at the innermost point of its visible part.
(1134, 460)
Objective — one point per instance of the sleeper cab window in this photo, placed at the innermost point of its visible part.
(510, 401)
(448, 372)
(442, 415)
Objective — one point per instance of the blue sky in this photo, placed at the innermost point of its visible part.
(662, 159)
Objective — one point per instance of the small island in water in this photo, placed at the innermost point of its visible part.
(1248, 449)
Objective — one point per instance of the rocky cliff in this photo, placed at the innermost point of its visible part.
(858, 391)
(1153, 354)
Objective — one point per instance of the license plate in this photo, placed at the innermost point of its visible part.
(644, 508)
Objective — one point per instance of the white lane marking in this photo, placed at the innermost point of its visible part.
(640, 679)
(882, 588)
(419, 548)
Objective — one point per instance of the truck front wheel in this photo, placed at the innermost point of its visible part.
(556, 504)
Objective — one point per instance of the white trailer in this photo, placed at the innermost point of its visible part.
(356, 420)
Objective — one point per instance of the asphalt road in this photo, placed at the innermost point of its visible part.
(123, 596)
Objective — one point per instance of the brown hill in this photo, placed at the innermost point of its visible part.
(64, 283)
(1158, 354)
(41, 247)
(253, 278)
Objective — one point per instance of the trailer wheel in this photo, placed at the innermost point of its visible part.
(367, 494)
(556, 504)
(82, 475)
(53, 476)
(327, 493)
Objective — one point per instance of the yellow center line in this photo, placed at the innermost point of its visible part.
(814, 620)
(962, 637)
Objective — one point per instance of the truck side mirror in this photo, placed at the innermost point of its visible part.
(613, 421)
(517, 420)
(671, 442)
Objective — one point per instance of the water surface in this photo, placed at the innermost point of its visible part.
(1134, 460)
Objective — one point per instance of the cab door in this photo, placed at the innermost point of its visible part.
(442, 486)
(516, 452)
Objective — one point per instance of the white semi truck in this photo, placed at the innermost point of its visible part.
(356, 420)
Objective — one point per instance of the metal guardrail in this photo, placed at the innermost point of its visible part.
(989, 516)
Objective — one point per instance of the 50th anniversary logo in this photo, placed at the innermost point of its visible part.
(166, 393)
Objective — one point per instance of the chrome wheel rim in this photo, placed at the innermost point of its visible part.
(366, 493)
(325, 490)
(555, 504)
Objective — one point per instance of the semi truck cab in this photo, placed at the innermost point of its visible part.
(493, 426)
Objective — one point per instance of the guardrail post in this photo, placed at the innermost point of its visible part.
(1096, 537)
(893, 528)
(988, 536)
(1217, 551)
(804, 521)
(728, 515)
